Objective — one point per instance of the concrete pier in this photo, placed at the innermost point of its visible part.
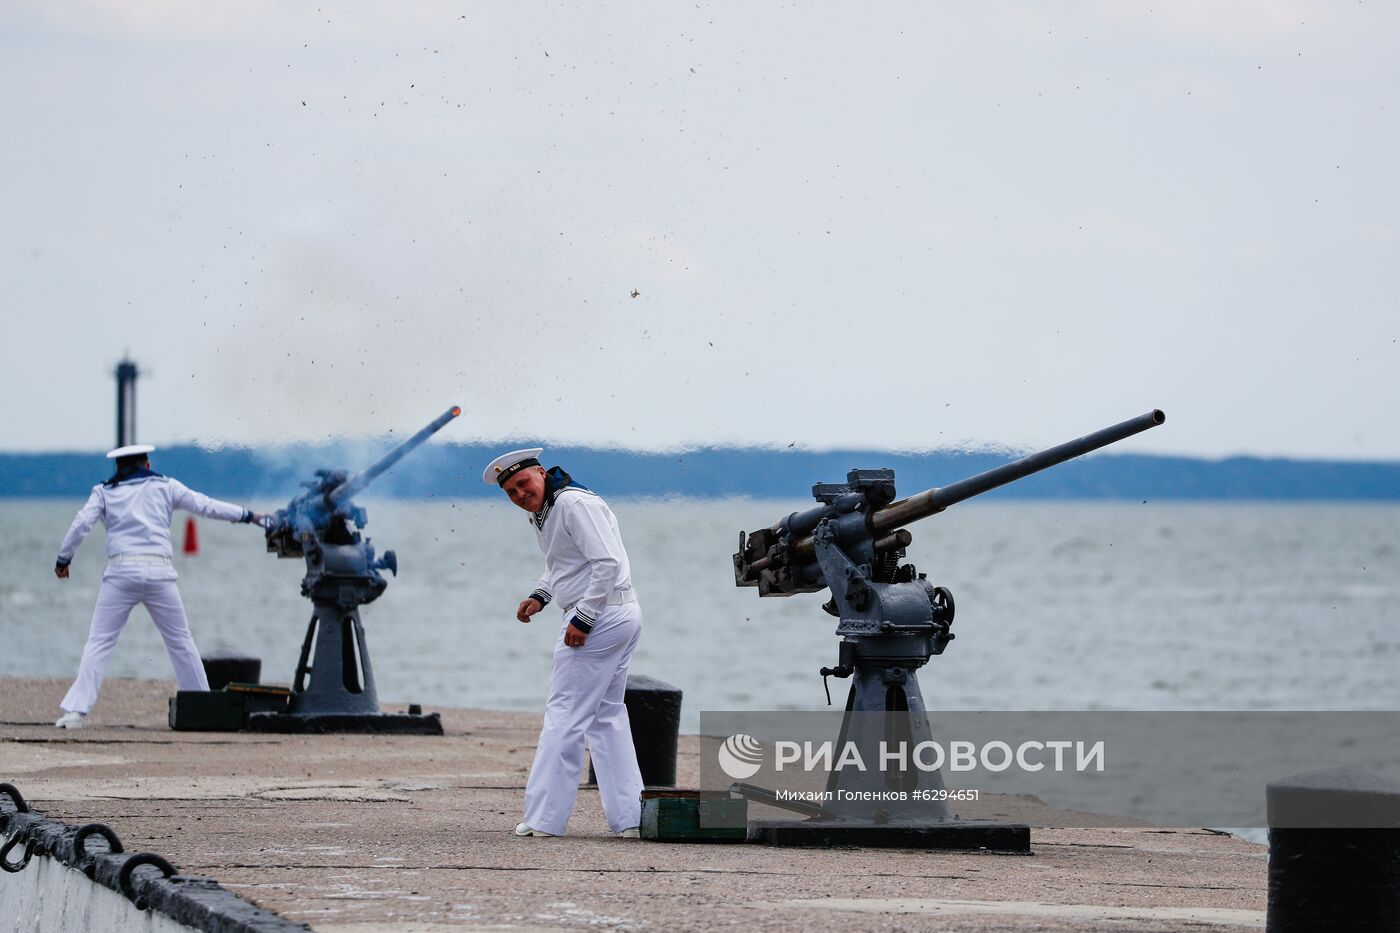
(356, 834)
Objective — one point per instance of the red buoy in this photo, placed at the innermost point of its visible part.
(191, 537)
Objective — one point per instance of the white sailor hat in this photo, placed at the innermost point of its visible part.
(129, 450)
(507, 465)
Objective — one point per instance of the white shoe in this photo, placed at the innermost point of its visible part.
(634, 833)
(70, 720)
(524, 830)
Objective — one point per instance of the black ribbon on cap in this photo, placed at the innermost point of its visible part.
(513, 469)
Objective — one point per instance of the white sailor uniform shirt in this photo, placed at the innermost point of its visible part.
(137, 514)
(586, 566)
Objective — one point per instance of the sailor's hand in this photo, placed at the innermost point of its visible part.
(574, 637)
(261, 519)
(60, 571)
(528, 607)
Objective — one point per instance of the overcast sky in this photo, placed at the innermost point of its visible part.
(898, 225)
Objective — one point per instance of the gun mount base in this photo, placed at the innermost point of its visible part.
(339, 679)
(942, 834)
(333, 691)
(347, 723)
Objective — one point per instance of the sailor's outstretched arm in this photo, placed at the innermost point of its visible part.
(183, 497)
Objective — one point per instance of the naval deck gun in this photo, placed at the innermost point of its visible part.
(334, 689)
(892, 619)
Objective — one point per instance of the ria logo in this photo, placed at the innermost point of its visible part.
(740, 756)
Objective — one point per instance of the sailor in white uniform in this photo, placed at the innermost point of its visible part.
(135, 506)
(588, 575)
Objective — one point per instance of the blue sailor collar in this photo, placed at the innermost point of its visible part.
(555, 481)
(122, 476)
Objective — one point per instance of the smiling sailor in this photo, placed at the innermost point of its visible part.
(588, 575)
(135, 505)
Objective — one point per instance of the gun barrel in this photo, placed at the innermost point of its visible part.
(360, 480)
(932, 501)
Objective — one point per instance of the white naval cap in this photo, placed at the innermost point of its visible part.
(129, 450)
(507, 465)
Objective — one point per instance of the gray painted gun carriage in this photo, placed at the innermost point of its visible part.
(892, 619)
(334, 686)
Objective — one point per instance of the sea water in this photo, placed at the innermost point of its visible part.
(1060, 605)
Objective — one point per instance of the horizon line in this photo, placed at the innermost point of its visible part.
(969, 450)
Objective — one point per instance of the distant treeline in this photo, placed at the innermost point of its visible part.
(454, 471)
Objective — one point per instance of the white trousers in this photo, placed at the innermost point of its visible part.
(585, 702)
(119, 594)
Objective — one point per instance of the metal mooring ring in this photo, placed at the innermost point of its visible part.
(13, 793)
(80, 840)
(131, 864)
(16, 839)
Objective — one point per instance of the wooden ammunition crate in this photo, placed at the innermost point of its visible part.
(683, 815)
(262, 698)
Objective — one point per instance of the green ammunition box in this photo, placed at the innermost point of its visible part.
(670, 815)
(207, 711)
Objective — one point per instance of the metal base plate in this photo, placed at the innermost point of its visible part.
(949, 834)
(356, 723)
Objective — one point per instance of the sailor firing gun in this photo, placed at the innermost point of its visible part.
(135, 506)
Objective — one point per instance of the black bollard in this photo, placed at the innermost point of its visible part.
(654, 711)
(229, 667)
(1334, 852)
